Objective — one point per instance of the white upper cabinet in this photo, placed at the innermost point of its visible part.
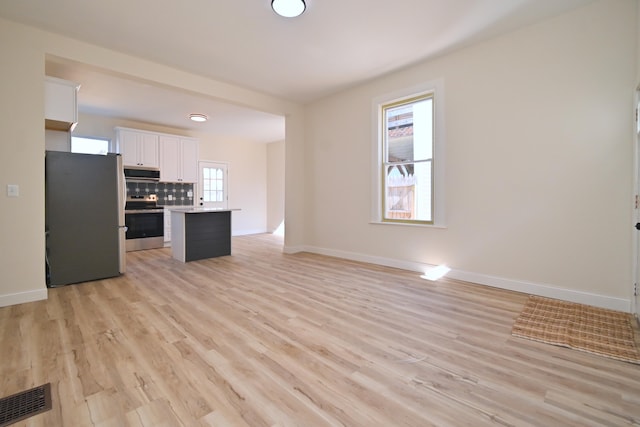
(189, 160)
(60, 104)
(178, 159)
(169, 158)
(149, 150)
(138, 148)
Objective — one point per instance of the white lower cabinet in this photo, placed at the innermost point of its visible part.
(167, 225)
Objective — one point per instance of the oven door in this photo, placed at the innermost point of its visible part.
(145, 229)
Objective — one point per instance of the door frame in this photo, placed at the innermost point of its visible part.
(635, 250)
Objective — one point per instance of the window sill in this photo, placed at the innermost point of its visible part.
(406, 224)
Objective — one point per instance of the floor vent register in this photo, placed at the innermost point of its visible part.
(25, 404)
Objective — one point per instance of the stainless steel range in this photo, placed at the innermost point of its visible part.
(144, 221)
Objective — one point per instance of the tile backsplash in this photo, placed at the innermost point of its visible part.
(169, 193)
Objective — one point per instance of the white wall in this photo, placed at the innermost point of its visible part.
(247, 180)
(538, 162)
(275, 185)
(56, 140)
(22, 163)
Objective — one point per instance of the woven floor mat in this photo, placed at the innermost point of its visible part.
(581, 327)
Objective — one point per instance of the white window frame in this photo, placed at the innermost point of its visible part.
(436, 88)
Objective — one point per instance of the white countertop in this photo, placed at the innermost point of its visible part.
(192, 210)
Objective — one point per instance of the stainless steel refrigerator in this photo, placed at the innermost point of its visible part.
(84, 217)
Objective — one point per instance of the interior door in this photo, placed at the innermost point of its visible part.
(213, 188)
(635, 303)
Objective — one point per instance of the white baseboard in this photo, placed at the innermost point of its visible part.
(294, 249)
(23, 297)
(545, 290)
(248, 232)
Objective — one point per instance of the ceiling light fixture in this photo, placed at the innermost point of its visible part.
(198, 117)
(288, 8)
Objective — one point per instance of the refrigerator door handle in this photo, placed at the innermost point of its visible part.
(122, 228)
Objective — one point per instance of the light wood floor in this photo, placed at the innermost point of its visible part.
(266, 339)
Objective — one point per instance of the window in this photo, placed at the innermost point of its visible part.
(409, 161)
(89, 145)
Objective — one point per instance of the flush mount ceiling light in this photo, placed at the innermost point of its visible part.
(288, 8)
(198, 117)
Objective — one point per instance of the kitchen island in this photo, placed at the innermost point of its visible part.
(199, 233)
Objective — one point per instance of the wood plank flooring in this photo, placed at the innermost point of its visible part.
(261, 338)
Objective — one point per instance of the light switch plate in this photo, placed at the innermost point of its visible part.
(13, 190)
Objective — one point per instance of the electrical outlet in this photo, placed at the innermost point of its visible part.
(635, 289)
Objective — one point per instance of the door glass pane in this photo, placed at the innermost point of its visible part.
(213, 184)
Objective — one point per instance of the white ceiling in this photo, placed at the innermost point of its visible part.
(108, 95)
(335, 44)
